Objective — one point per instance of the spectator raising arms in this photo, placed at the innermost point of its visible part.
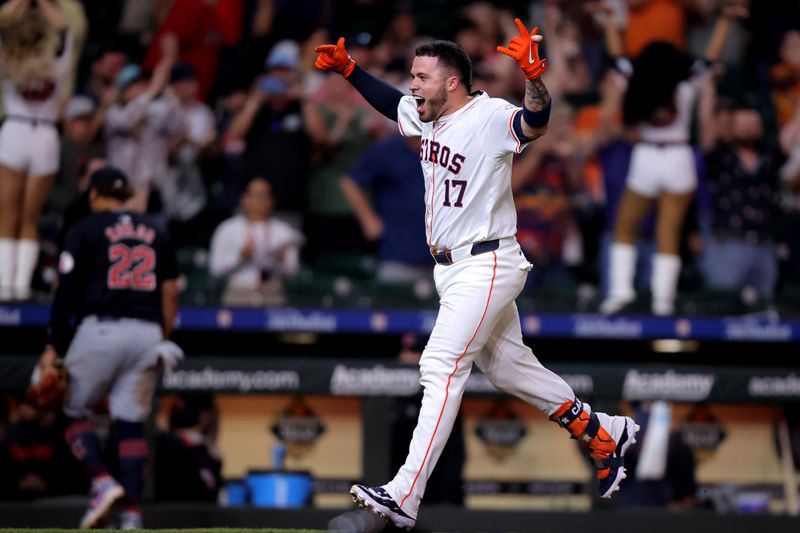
(141, 124)
(35, 58)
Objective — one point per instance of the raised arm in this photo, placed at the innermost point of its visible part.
(371, 223)
(52, 14)
(380, 95)
(524, 49)
(12, 9)
(721, 29)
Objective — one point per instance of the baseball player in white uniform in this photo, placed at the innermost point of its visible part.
(468, 141)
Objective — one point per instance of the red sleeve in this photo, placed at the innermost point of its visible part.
(229, 18)
(182, 21)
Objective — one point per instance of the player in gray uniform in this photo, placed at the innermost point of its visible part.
(117, 284)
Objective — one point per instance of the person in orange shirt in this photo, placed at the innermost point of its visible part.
(653, 20)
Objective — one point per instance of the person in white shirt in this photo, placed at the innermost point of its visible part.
(252, 247)
(183, 193)
(35, 60)
(140, 126)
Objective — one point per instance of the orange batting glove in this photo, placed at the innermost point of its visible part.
(525, 51)
(334, 57)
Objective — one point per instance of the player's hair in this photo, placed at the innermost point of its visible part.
(28, 53)
(452, 56)
(657, 71)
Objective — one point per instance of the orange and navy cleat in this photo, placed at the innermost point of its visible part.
(607, 437)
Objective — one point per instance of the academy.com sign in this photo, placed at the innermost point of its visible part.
(232, 380)
(667, 385)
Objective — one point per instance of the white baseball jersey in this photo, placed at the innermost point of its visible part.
(466, 159)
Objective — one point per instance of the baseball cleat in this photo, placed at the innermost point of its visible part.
(105, 492)
(377, 500)
(610, 463)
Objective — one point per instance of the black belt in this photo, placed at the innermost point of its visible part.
(445, 257)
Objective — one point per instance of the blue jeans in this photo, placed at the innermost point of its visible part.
(732, 263)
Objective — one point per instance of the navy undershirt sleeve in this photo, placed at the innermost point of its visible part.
(517, 123)
(380, 95)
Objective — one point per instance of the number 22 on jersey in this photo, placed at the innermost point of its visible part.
(131, 267)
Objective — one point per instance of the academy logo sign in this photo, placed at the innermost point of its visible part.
(374, 381)
(667, 385)
(774, 386)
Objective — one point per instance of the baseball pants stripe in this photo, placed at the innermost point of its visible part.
(449, 380)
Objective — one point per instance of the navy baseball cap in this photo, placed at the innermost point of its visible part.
(110, 181)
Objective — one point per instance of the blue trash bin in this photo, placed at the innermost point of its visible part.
(279, 488)
(236, 493)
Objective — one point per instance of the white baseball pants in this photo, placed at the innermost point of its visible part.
(478, 322)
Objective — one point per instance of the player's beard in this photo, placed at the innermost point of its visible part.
(434, 106)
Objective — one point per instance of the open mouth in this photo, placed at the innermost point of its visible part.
(420, 101)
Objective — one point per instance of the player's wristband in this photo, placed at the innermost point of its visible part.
(537, 119)
(348, 68)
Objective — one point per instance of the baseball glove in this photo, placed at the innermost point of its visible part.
(48, 385)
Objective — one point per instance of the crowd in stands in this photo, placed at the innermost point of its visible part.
(272, 172)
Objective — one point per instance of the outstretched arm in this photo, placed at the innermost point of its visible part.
(380, 95)
(721, 30)
(532, 122)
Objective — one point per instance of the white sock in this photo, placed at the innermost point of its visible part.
(8, 259)
(27, 257)
(621, 270)
(664, 282)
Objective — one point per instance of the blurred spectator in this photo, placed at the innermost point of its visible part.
(342, 129)
(249, 29)
(743, 178)
(35, 61)
(383, 190)
(140, 126)
(702, 16)
(784, 78)
(81, 122)
(569, 71)
(253, 248)
(273, 126)
(101, 83)
(543, 181)
(79, 208)
(183, 193)
(790, 201)
(201, 28)
(659, 103)
(649, 21)
(189, 465)
(34, 457)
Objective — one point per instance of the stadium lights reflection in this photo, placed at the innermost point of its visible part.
(674, 346)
